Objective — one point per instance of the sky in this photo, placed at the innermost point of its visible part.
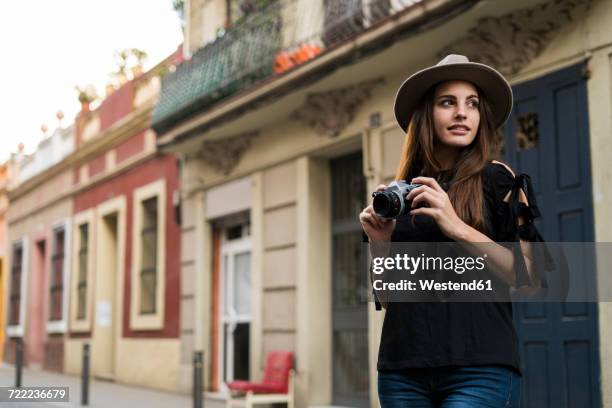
(50, 46)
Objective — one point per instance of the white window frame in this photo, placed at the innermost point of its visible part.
(230, 249)
(154, 321)
(60, 326)
(16, 330)
(82, 325)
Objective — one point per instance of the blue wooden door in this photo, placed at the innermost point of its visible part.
(548, 138)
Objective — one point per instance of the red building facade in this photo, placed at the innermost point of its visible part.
(125, 277)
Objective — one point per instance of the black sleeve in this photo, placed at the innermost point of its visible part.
(506, 218)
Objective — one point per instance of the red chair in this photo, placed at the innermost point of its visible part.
(277, 385)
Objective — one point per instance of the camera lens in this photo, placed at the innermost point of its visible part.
(386, 204)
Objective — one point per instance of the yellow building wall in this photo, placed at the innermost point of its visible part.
(151, 363)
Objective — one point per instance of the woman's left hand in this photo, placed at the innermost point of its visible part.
(439, 207)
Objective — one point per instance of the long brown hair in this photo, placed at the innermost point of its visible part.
(465, 192)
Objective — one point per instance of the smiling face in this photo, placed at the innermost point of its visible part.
(455, 113)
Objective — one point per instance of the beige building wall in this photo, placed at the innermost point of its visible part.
(153, 363)
(149, 362)
(279, 260)
(203, 18)
(314, 281)
(37, 223)
(36, 211)
(73, 355)
(289, 160)
(190, 241)
(44, 195)
(598, 43)
(286, 315)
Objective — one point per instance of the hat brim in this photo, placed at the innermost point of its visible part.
(494, 86)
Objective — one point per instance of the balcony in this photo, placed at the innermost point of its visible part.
(267, 44)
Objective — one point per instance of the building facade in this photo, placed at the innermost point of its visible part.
(38, 221)
(94, 245)
(125, 278)
(281, 146)
(4, 176)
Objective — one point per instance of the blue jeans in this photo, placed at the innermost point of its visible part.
(493, 386)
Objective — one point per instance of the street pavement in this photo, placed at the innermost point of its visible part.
(102, 394)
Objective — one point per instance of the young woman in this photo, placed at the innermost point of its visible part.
(447, 354)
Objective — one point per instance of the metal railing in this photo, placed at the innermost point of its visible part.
(269, 42)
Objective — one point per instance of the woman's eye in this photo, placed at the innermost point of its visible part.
(446, 102)
(473, 103)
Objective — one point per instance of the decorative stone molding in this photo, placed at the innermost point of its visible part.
(329, 113)
(511, 41)
(223, 155)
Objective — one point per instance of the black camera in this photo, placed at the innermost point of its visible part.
(392, 202)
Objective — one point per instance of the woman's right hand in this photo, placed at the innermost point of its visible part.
(377, 228)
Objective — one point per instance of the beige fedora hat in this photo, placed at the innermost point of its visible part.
(454, 67)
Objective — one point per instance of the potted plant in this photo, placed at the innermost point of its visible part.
(121, 74)
(140, 57)
(86, 95)
(132, 57)
(136, 71)
(110, 88)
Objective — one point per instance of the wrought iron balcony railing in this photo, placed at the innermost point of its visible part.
(267, 43)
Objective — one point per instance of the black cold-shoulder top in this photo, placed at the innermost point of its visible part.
(436, 334)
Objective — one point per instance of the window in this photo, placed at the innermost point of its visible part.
(57, 275)
(239, 10)
(82, 271)
(16, 276)
(82, 267)
(345, 19)
(17, 279)
(526, 133)
(148, 257)
(148, 271)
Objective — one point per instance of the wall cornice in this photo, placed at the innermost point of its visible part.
(137, 121)
(511, 41)
(122, 168)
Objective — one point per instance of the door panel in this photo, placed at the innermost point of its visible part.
(235, 316)
(349, 298)
(105, 329)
